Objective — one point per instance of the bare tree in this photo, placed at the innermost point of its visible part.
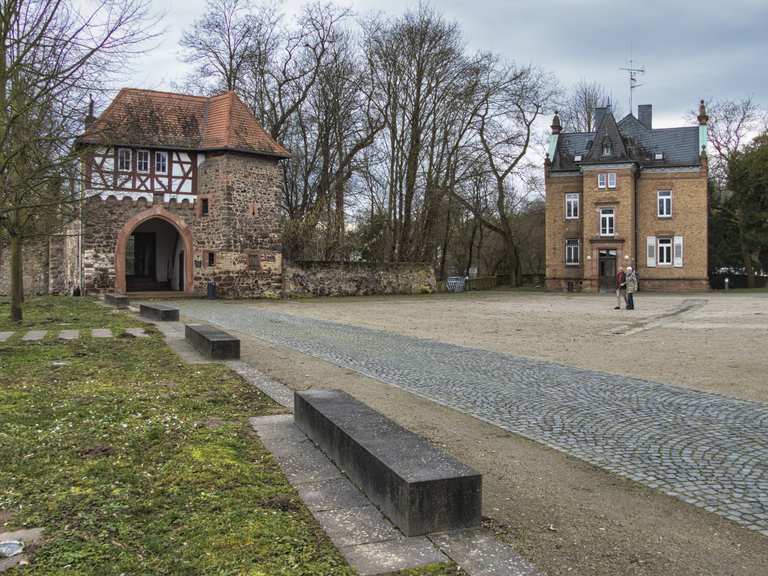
(513, 100)
(52, 55)
(577, 110)
(731, 126)
(222, 43)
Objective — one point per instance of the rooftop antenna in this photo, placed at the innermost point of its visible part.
(633, 71)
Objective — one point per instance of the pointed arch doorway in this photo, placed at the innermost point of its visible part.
(154, 253)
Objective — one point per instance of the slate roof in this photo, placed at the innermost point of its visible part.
(180, 121)
(638, 143)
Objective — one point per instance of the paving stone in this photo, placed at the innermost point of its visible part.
(305, 463)
(331, 494)
(34, 335)
(479, 553)
(5, 335)
(392, 555)
(69, 334)
(351, 526)
(275, 390)
(708, 448)
(137, 332)
(101, 333)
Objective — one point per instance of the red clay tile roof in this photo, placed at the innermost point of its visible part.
(167, 120)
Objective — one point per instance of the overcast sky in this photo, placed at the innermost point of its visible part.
(690, 50)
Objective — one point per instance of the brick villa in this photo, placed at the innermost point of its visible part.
(179, 191)
(627, 194)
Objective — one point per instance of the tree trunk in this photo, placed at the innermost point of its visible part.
(17, 280)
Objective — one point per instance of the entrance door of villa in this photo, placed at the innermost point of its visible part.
(607, 263)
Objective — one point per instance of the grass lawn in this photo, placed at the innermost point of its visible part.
(136, 463)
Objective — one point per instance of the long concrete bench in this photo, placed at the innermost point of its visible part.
(419, 487)
(119, 300)
(160, 312)
(212, 342)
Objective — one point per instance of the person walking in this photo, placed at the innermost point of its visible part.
(621, 289)
(631, 282)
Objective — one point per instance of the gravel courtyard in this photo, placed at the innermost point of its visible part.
(705, 449)
(714, 342)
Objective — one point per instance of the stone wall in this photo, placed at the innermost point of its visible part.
(35, 255)
(103, 221)
(357, 279)
(241, 228)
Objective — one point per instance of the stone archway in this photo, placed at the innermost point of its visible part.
(125, 233)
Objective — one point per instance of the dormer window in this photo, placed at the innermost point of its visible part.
(577, 158)
(124, 159)
(658, 156)
(607, 148)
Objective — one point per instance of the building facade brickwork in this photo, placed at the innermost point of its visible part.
(627, 194)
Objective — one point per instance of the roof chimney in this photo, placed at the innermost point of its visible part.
(645, 115)
(90, 117)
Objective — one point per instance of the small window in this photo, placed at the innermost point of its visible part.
(254, 263)
(124, 159)
(607, 222)
(612, 180)
(204, 207)
(577, 158)
(665, 252)
(664, 203)
(659, 156)
(161, 162)
(142, 160)
(572, 252)
(210, 259)
(601, 180)
(607, 148)
(571, 206)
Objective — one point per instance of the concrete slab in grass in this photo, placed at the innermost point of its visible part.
(5, 335)
(392, 555)
(137, 332)
(101, 333)
(331, 494)
(34, 335)
(478, 553)
(69, 334)
(352, 526)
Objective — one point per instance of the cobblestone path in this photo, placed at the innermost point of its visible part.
(706, 449)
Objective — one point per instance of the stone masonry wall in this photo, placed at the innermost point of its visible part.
(241, 228)
(103, 221)
(357, 279)
(35, 255)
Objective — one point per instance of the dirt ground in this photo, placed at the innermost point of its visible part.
(563, 514)
(711, 341)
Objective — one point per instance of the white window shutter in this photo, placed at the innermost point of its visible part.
(650, 251)
(677, 255)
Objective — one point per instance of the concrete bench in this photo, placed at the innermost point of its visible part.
(119, 300)
(212, 342)
(420, 488)
(160, 312)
